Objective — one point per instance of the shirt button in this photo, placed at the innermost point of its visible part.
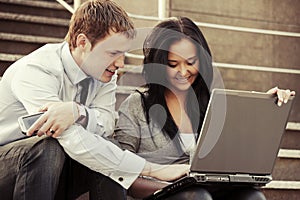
(121, 179)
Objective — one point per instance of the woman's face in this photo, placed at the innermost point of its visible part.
(183, 65)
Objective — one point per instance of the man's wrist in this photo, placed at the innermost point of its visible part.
(82, 114)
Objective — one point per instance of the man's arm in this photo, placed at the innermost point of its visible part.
(101, 110)
(34, 86)
(88, 148)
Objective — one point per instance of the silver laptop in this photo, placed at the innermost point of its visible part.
(239, 140)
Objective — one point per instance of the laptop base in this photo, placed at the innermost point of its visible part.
(255, 180)
(209, 179)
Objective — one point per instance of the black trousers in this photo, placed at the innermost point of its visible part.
(218, 192)
(76, 179)
(37, 168)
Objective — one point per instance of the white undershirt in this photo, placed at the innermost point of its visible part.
(188, 142)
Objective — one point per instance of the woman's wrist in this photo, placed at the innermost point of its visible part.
(147, 171)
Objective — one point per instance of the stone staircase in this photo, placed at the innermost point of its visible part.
(26, 25)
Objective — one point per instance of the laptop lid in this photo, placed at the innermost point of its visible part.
(241, 133)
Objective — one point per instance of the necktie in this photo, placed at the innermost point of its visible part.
(84, 90)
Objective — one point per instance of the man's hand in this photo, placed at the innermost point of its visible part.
(165, 172)
(283, 95)
(57, 118)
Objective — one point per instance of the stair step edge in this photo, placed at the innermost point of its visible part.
(29, 38)
(34, 19)
(41, 4)
(285, 185)
(289, 153)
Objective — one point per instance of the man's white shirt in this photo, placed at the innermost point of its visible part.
(50, 74)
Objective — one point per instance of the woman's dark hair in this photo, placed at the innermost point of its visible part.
(155, 51)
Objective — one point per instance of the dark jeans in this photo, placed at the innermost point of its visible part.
(30, 168)
(34, 168)
(218, 192)
(77, 179)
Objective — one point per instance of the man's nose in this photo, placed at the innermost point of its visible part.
(119, 62)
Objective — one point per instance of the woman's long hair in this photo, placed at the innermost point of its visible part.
(155, 51)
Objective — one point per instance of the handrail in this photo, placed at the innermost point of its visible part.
(238, 66)
(66, 6)
(256, 68)
(224, 27)
(248, 30)
(204, 24)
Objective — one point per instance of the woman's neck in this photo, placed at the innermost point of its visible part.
(179, 97)
(176, 105)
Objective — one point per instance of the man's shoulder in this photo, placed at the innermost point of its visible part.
(48, 52)
(48, 57)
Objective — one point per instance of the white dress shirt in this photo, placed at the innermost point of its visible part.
(50, 74)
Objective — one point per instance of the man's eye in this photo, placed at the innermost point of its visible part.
(112, 54)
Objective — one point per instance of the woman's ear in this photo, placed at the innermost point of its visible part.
(83, 42)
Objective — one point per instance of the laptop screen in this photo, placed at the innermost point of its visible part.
(241, 133)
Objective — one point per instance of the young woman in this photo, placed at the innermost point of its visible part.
(162, 123)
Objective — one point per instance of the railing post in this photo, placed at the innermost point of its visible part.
(77, 3)
(162, 7)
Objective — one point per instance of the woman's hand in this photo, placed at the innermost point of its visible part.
(56, 119)
(165, 172)
(283, 95)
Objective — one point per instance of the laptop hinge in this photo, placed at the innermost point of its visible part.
(236, 178)
(210, 178)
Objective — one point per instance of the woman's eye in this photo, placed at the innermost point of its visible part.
(191, 63)
(172, 65)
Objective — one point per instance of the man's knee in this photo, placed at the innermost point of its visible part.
(48, 152)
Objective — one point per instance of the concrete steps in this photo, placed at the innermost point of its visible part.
(27, 25)
(11, 43)
(282, 190)
(33, 25)
(36, 8)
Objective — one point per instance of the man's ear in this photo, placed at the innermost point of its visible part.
(83, 42)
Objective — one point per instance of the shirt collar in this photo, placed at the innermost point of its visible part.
(72, 70)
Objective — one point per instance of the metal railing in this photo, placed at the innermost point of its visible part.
(162, 7)
(161, 17)
(238, 66)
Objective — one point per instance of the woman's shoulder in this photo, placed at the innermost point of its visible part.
(135, 98)
(133, 103)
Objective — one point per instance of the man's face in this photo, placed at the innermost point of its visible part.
(105, 57)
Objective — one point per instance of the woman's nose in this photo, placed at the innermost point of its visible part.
(182, 69)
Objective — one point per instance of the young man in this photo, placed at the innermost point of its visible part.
(76, 117)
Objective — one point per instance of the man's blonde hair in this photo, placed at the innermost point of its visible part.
(95, 19)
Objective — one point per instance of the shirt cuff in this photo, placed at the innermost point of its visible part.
(129, 169)
(91, 123)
